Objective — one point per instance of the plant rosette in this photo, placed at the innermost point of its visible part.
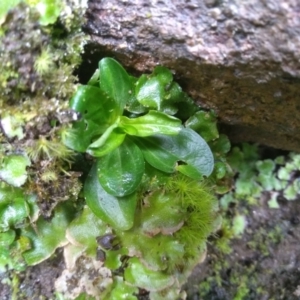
(147, 182)
(126, 122)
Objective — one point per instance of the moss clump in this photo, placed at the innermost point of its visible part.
(38, 62)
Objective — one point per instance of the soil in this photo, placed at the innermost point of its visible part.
(36, 282)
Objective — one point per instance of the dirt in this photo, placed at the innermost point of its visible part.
(36, 282)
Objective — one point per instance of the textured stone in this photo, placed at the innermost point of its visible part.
(240, 58)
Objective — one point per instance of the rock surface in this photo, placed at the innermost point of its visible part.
(240, 58)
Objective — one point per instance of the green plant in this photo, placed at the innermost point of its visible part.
(48, 10)
(276, 177)
(250, 223)
(147, 206)
(126, 121)
(148, 179)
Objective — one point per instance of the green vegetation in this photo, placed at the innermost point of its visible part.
(124, 183)
(48, 10)
(278, 177)
(162, 215)
(260, 188)
(121, 174)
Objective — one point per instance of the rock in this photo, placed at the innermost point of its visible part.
(239, 58)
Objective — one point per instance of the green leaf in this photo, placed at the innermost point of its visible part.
(164, 215)
(84, 230)
(107, 143)
(157, 151)
(265, 167)
(134, 106)
(194, 152)
(121, 290)
(7, 238)
(12, 126)
(94, 80)
(82, 296)
(291, 192)
(115, 82)
(151, 93)
(164, 75)
(152, 123)
(49, 11)
(220, 169)
(150, 90)
(186, 107)
(117, 212)
(220, 146)
(114, 140)
(120, 172)
(239, 224)
(80, 136)
(13, 169)
(138, 275)
(113, 258)
(189, 171)
(168, 108)
(151, 250)
(13, 207)
(47, 236)
(94, 105)
(188, 147)
(175, 93)
(205, 124)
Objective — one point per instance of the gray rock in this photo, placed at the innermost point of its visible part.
(240, 58)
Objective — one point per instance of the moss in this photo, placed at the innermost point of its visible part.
(38, 61)
(37, 80)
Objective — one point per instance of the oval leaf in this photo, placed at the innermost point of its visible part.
(115, 82)
(80, 136)
(120, 172)
(151, 93)
(157, 151)
(164, 75)
(194, 151)
(94, 105)
(13, 169)
(162, 152)
(117, 212)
